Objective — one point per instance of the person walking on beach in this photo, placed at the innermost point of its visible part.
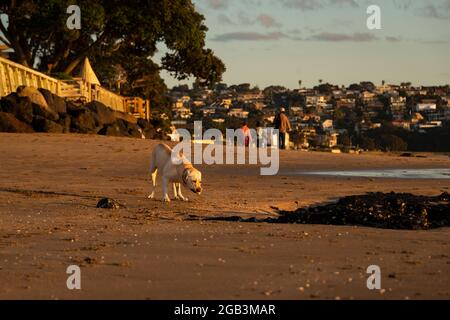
(283, 125)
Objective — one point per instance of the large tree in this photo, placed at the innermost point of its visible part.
(120, 37)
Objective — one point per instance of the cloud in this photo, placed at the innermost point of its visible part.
(351, 3)
(267, 21)
(403, 4)
(393, 39)
(340, 37)
(433, 11)
(217, 4)
(303, 5)
(249, 36)
(224, 19)
(264, 20)
(308, 5)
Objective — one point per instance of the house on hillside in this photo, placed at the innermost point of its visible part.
(238, 113)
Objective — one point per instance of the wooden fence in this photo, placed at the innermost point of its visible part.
(14, 75)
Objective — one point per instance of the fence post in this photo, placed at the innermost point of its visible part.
(147, 109)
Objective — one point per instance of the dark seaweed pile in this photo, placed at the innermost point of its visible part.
(107, 203)
(378, 210)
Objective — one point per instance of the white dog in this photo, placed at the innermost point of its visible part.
(173, 172)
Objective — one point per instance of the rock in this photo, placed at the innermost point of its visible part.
(56, 103)
(126, 117)
(135, 131)
(41, 124)
(9, 123)
(20, 107)
(150, 133)
(83, 121)
(65, 121)
(107, 203)
(102, 114)
(148, 130)
(73, 109)
(33, 94)
(117, 129)
(143, 123)
(46, 113)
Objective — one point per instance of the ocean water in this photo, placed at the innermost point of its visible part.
(386, 173)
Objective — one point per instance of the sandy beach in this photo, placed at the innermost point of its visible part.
(50, 185)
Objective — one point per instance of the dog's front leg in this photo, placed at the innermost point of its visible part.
(179, 193)
(165, 186)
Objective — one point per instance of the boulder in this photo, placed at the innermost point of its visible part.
(126, 116)
(56, 103)
(148, 130)
(64, 121)
(135, 131)
(20, 107)
(83, 121)
(9, 123)
(118, 129)
(33, 94)
(73, 109)
(46, 113)
(102, 114)
(41, 124)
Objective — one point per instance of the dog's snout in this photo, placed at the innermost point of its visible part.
(198, 190)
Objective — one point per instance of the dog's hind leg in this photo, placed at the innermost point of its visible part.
(165, 186)
(154, 173)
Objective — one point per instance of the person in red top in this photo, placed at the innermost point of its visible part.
(246, 132)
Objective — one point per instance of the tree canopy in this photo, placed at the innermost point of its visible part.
(120, 37)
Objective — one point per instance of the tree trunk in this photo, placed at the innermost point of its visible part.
(74, 63)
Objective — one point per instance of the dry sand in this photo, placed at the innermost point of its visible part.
(50, 184)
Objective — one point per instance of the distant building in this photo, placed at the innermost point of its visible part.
(430, 125)
(238, 113)
(182, 113)
(208, 111)
(420, 107)
(346, 103)
(251, 96)
(367, 96)
(327, 125)
(226, 103)
(402, 124)
(198, 103)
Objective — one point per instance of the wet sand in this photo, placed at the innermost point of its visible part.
(50, 184)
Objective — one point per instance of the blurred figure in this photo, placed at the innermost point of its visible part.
(259, 135)
(283, 125)
(246, 132)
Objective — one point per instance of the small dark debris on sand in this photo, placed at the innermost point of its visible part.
(378, 210)
(107, 203)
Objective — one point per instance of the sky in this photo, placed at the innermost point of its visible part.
(279, 42)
